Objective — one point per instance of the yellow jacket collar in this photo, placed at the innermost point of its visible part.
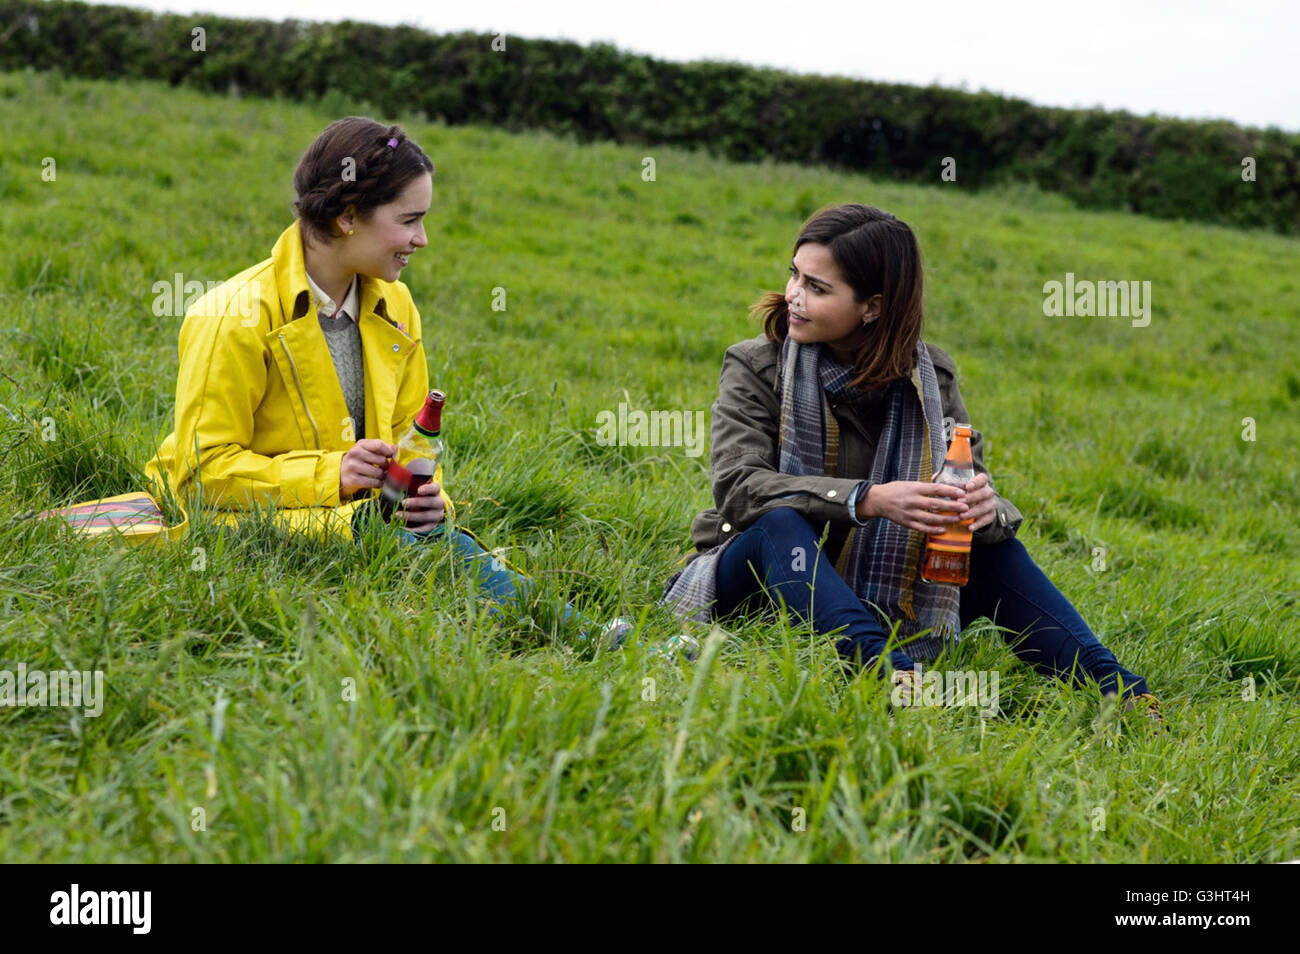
(291, 280)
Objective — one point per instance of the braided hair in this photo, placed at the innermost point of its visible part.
(351, 164)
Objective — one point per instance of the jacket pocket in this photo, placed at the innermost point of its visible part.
(293, 391)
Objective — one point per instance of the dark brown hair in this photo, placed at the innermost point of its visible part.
(381, 173)
(878, 255)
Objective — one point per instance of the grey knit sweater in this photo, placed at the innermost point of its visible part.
(343, 335)
(344, 340)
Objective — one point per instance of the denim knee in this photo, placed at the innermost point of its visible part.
(784, 522)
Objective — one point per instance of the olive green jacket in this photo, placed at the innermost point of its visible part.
(744, 459)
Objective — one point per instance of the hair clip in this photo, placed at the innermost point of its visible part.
(392, 143)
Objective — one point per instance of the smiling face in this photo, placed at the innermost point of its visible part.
(381, 244)
(822, 307)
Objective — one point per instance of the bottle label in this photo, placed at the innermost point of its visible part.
(939, 560)
(402, 481)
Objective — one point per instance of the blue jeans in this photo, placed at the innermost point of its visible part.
(500, 585)
(1005, 585)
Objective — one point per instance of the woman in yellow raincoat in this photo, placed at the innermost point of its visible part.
(298, 374)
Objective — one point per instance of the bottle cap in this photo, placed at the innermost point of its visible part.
(429, 419)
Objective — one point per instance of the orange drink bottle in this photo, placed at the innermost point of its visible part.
(947, 554)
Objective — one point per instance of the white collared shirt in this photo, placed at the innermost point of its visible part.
(325, 305)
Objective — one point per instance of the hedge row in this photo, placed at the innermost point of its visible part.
(1166, 168)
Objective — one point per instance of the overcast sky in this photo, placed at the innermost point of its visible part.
(1193, 58)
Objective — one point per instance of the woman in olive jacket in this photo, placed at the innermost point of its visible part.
(835, 421)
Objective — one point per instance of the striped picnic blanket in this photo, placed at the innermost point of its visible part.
(135, 516)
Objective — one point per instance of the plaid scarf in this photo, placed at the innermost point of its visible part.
(881, 561)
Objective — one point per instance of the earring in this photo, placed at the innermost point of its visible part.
(350, 231)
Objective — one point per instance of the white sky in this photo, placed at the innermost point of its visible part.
(1195, 58)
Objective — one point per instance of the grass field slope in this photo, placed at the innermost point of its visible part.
(271, 699)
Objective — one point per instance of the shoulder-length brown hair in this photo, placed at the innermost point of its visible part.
(877, 255)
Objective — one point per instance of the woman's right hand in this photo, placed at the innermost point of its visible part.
(364, 466)
(916, 504)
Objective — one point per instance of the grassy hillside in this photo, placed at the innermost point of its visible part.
(224, 674)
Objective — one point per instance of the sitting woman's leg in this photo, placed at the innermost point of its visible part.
(764, 555)
(498, 582)
(501, 585)
(1008, 587)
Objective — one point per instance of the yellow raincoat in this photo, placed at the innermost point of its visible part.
(260, 415)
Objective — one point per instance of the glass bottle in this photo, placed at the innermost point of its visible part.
(947, 554)
(419, 452)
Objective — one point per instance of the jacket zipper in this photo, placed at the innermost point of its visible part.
(298, 384)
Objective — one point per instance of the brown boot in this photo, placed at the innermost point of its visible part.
(908, 687)
(1152, 712)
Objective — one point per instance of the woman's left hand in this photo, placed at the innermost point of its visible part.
(981, 500)
(423, 510)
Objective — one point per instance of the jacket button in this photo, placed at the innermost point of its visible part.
(830, 493)
(726, 528)
(397, 347)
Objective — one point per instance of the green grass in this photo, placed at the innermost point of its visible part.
(225, 669)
